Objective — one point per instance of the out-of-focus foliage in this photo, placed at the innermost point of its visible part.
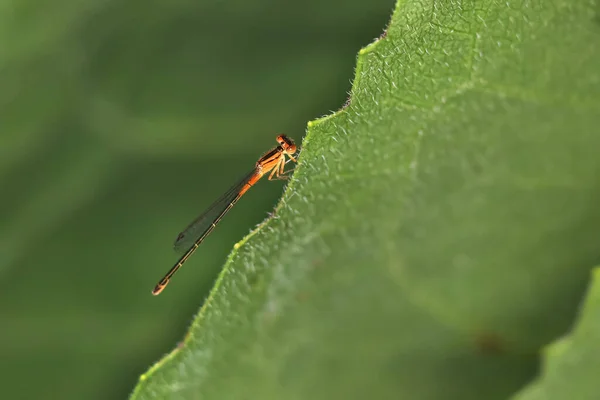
(437, 233)
(571, 364)
(119, 122)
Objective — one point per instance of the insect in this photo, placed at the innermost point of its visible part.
(194, 234)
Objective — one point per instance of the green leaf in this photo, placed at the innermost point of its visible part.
(571, 364)
(113, 116)
(438, 230)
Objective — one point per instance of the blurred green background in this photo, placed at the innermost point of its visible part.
(120, 122)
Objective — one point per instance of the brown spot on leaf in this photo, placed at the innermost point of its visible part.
(489, 343)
